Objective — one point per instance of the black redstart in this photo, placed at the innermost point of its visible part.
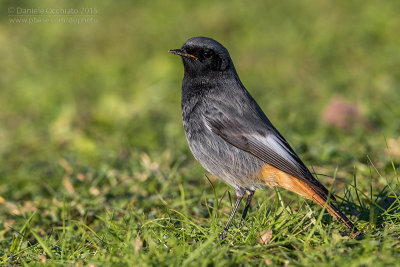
(230, 135)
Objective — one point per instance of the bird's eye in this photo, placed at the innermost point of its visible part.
(207, 54)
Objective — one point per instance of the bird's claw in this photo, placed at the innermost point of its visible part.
(223, 235)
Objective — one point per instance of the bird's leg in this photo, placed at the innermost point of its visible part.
(239, 196)
(250, 195)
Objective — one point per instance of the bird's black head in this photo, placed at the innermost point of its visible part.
(203, 56)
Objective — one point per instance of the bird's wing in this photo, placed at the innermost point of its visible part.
(252, 132)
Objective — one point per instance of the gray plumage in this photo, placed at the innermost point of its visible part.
(227, 131)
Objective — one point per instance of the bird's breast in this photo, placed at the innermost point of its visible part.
(236, 167)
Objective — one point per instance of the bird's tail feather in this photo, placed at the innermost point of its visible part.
(274, 177)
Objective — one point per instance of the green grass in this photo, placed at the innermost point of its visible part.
(94, 165)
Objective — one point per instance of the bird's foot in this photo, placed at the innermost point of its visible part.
(223, 235)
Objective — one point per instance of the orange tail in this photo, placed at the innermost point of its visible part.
(272, 176)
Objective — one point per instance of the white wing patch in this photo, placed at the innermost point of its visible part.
(274, 143)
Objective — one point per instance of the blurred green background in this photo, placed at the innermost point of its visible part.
(99, 102)
(102, 92)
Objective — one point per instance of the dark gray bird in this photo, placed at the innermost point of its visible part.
(232, 138)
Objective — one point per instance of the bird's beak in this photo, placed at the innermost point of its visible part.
(180, 52)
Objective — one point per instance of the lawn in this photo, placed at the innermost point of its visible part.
(94, 165)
